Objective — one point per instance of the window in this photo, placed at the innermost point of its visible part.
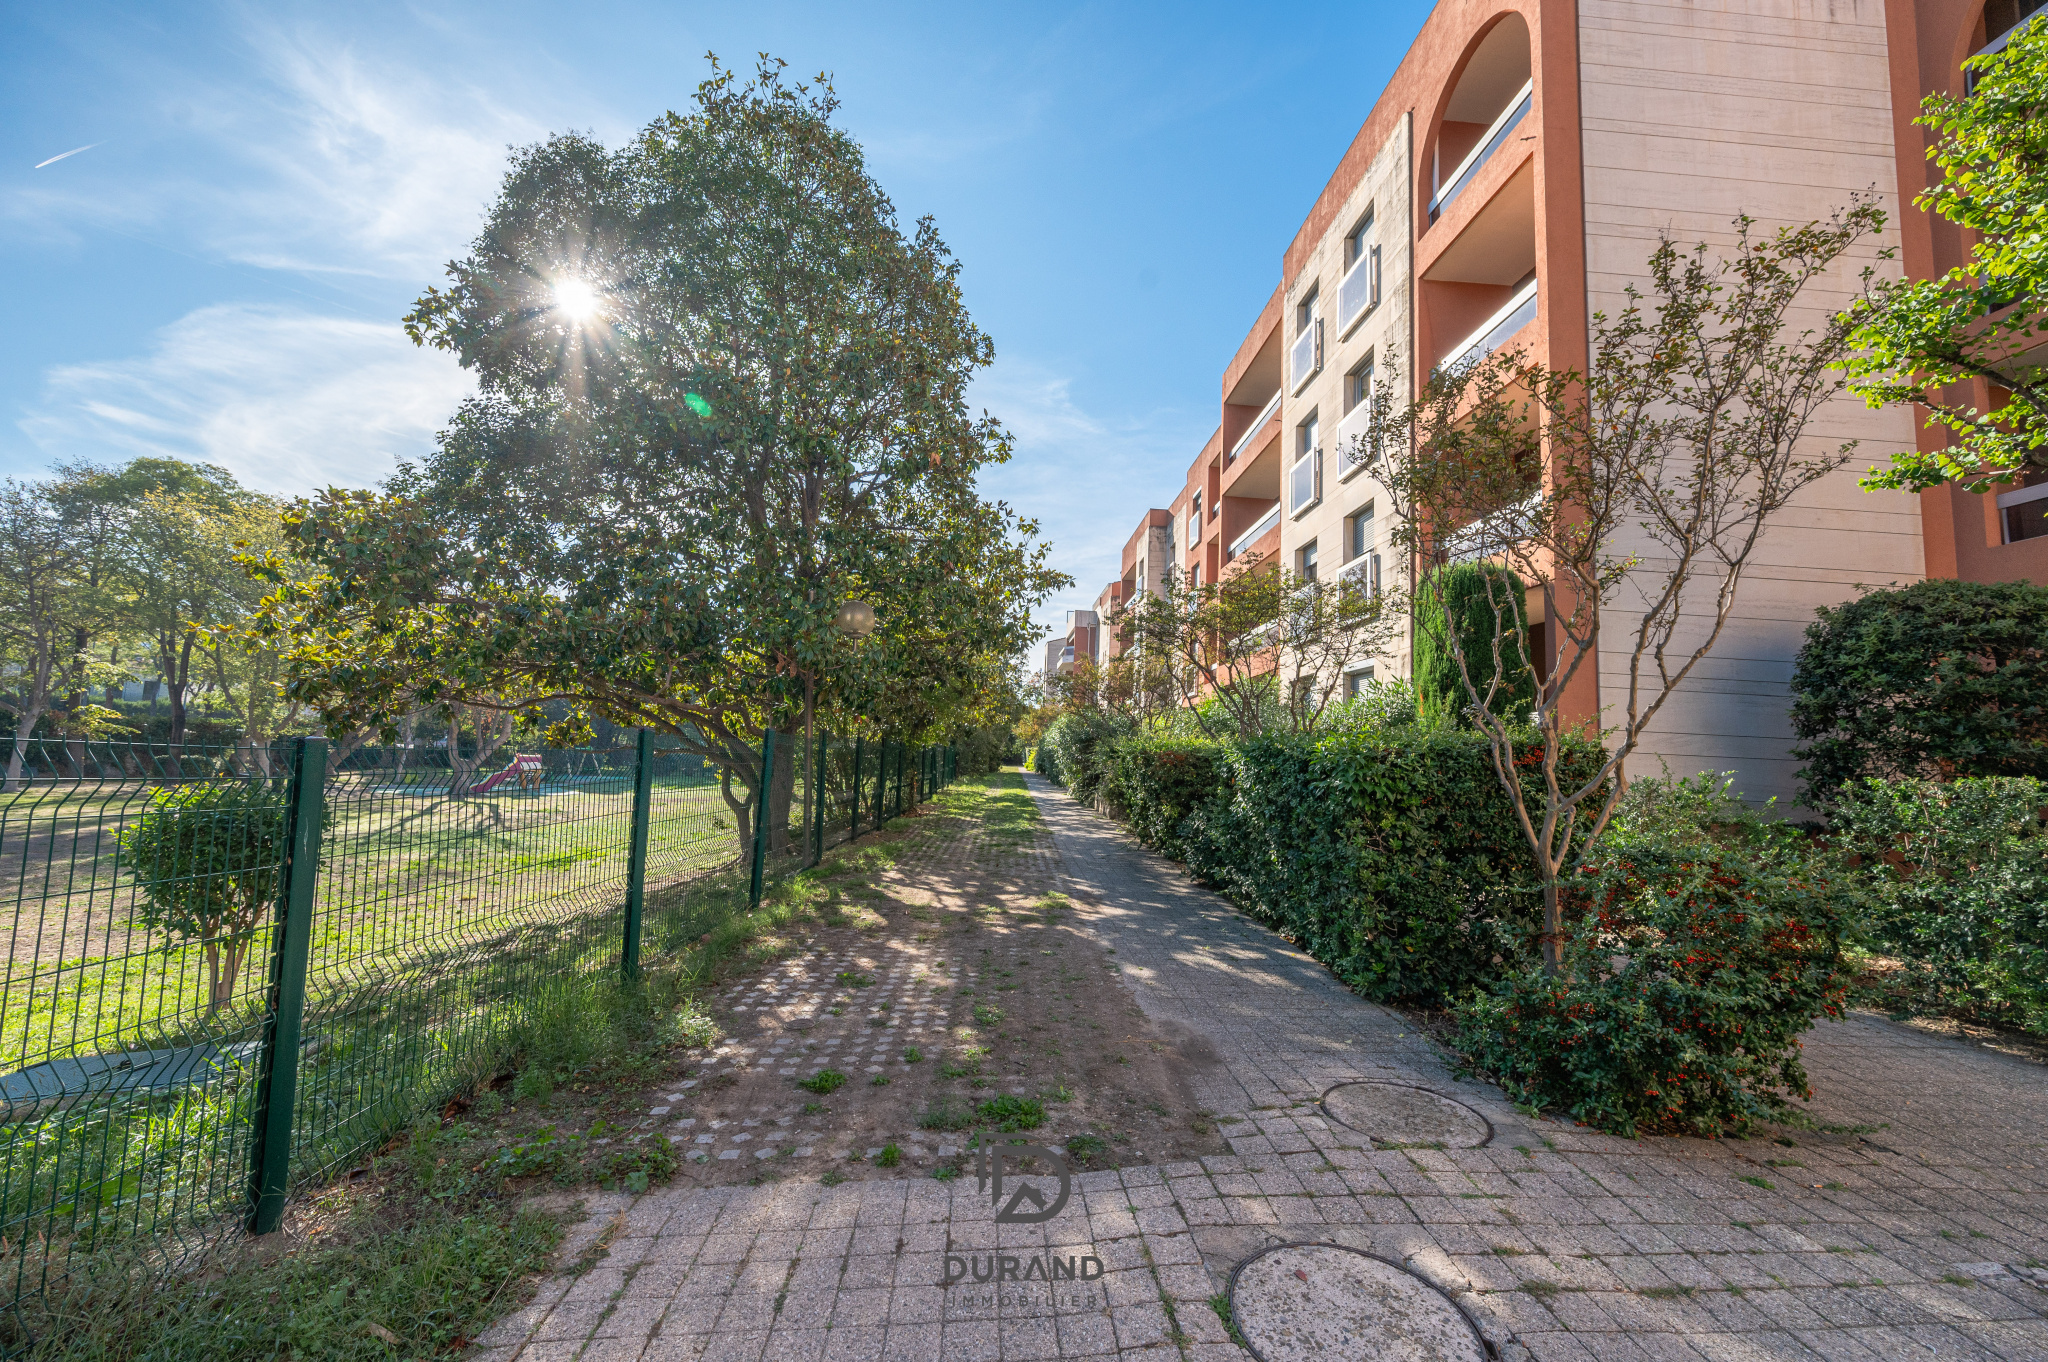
(2023, 513)
(1305, 356)
(1359, 241)
(1305, 561)
(1356, 681)
(1359, 290)
(1195, 577)
(1358, 385)
(1358, 529)
(1195, 520)
(1305, 479)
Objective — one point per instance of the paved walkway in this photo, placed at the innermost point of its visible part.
(1918, 1238)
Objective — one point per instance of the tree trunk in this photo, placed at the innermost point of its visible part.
(1553, 930)
(781, 795)
(30, 716)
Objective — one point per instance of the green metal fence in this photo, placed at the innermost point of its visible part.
(233, 972)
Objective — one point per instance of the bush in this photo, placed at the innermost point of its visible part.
(1069, 753)
(1936, 680)
(1455, 597)
(207, 858)
(1958, 875)
(1702, 941)
(1154, 782)
(1389, 854)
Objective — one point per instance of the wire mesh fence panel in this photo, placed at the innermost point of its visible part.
(456, 900)
(140, 882)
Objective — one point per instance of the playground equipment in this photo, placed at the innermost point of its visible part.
(526, 766)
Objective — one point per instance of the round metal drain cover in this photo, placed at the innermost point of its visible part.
(1394, 1113)
(1333, 1304)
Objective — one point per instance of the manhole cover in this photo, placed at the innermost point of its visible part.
(1321, 1301)
(1394, 1113)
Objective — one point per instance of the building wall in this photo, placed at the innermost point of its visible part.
(1693, 113)
(1383, 333)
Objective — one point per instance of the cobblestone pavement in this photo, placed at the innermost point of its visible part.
(1917, 1237)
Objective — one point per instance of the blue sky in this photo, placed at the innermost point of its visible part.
(267, 188)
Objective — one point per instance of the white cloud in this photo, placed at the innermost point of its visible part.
(357, 166)
(285, 400)
(1085, 479)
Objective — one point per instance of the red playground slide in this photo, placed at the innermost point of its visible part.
(526, 766)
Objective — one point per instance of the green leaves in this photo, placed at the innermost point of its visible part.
(754, 410)
(1940, 679)
(1961, 344)
(1702, 941)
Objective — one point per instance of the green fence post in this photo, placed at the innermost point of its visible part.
(902, 757)
(636, 851)
(277, 1061)
(882, 784)
(853, 827)
(761, 802)
(818, 803)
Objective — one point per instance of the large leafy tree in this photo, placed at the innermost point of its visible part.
(720, 392)
(1981, 328)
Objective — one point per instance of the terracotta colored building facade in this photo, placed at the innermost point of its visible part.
(1510, 181)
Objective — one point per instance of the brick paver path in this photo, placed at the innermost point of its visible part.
(1917, 1238)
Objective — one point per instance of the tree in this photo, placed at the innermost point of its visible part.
(720, 393)
(1260, 650)
(39, 571)
(1459, 596)
(1939, 680)
(207, 856)
(1930, 342)
(1685, 435)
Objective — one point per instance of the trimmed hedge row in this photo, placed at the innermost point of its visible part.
(1391, 855)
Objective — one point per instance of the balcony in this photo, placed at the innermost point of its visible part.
(1363, 572)
(1305, 481)
(1494, 332)
(1356, 426)
(1491, 141)
(1243, 542)
(1305, 356)
(1491, 536)
(1359, 291)
(1248, 441)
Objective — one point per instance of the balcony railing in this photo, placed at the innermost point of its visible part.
(1494, 331)
(1491, 535)
(1356, 426)
(1363, 572)
(1305, 359)
(1251, 432)
(1496, 137)
(1251, 536)
(1359, 291)
(1998, 44)
(1305, 481)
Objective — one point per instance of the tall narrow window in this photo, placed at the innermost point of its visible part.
(1195, 520)
(1358, 533)
(1305, 561)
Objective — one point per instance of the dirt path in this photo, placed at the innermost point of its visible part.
(963, 992)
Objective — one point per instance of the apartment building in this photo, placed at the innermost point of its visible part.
(1506, 186)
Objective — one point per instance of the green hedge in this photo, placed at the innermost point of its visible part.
(1068, 751)
(1390, 855)
(1958, 875)
(1937, 680)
